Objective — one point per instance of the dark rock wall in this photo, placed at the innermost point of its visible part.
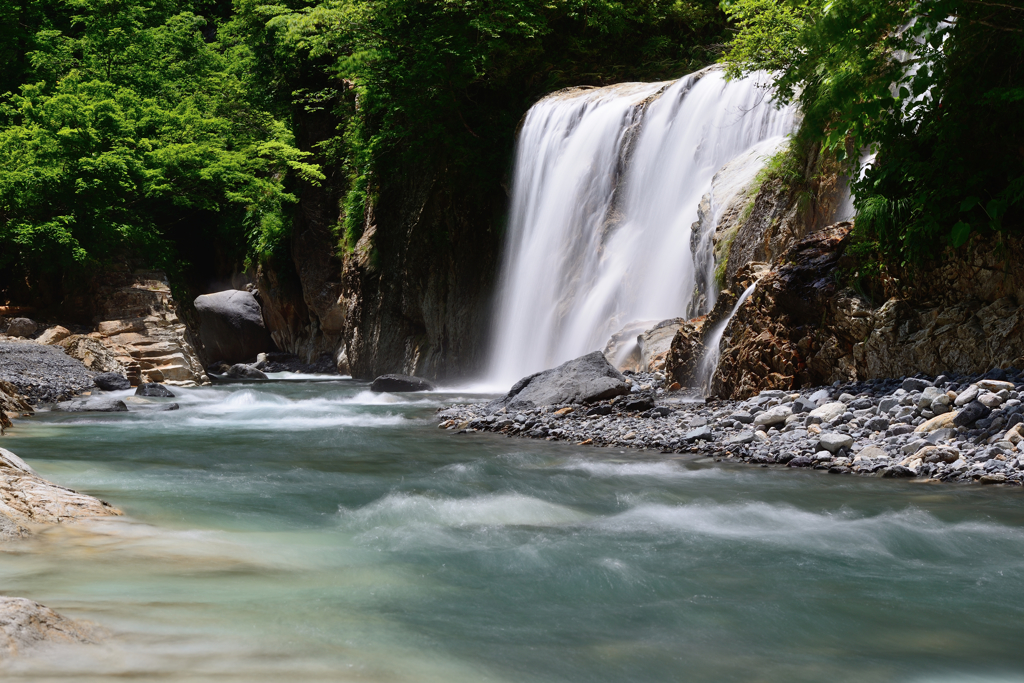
(411, 297)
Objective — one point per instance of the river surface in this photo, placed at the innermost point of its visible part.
(313, 531)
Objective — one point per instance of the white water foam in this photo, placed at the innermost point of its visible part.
(607, 184)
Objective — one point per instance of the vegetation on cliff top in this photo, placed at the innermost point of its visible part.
(934, 87)
(162, 130)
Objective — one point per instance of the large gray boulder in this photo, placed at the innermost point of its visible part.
(22, 327)
(585, 379)
(231, 326)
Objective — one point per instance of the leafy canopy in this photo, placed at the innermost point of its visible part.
(934, 87)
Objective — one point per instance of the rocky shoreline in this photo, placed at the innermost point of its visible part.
(946, 428)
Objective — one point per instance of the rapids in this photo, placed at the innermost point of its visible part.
(314, 531)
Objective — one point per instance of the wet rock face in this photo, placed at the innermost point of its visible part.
(585, 379)
(25, 624)
(800, 328)
(231, 326)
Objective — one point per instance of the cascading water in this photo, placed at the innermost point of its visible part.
(712, 343)
(607, 186)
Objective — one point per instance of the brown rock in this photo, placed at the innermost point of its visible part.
(53, 335)
(938, 422)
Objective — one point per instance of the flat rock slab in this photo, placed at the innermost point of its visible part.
(585, 379)
(26, 497)
(25, 624)
(400, 384)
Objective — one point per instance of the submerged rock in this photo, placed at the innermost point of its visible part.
(101, 405)
(154, 389)
(585, 379)
(243, 371)
(25, 624)
(399, 384)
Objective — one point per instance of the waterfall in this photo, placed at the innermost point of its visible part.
(712, 352)
(606, 187)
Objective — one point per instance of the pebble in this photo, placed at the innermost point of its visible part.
(886, 428)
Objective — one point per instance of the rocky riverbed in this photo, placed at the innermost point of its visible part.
(948, 428)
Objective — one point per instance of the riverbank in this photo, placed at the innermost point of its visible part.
(947, 428)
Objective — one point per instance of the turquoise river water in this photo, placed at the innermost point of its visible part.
(313, 531)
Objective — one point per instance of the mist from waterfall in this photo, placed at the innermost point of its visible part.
(606, 187)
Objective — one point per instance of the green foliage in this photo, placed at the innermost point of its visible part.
(442, 84)
(934, 86)
(128, 124)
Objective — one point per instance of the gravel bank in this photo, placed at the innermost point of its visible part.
(949, 428)
(43, 374)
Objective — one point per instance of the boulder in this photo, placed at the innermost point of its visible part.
(656, 343)
(111, 381)
(829, 411)
(833, 442)
(638, 402)
(969, 414)
(585, 379)
(400, 384)
(25, 624)
(53, 335)
(21, 327)
(915, 384)
(243, 371)
(154, 389)
(942, 421)
(231, 326)
(772, 416)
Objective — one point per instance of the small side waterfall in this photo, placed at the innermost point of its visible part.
(713, 342)
(607, 186)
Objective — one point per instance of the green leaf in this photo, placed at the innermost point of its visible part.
(961, 231)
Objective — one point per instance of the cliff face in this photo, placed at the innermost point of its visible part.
(806, 324)
(413, 295)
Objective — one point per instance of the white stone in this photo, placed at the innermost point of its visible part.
(967, 395)
(990, 400)
(773, 416)
(829, 411)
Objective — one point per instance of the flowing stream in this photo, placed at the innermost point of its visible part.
(313, 531)
(607, 184)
